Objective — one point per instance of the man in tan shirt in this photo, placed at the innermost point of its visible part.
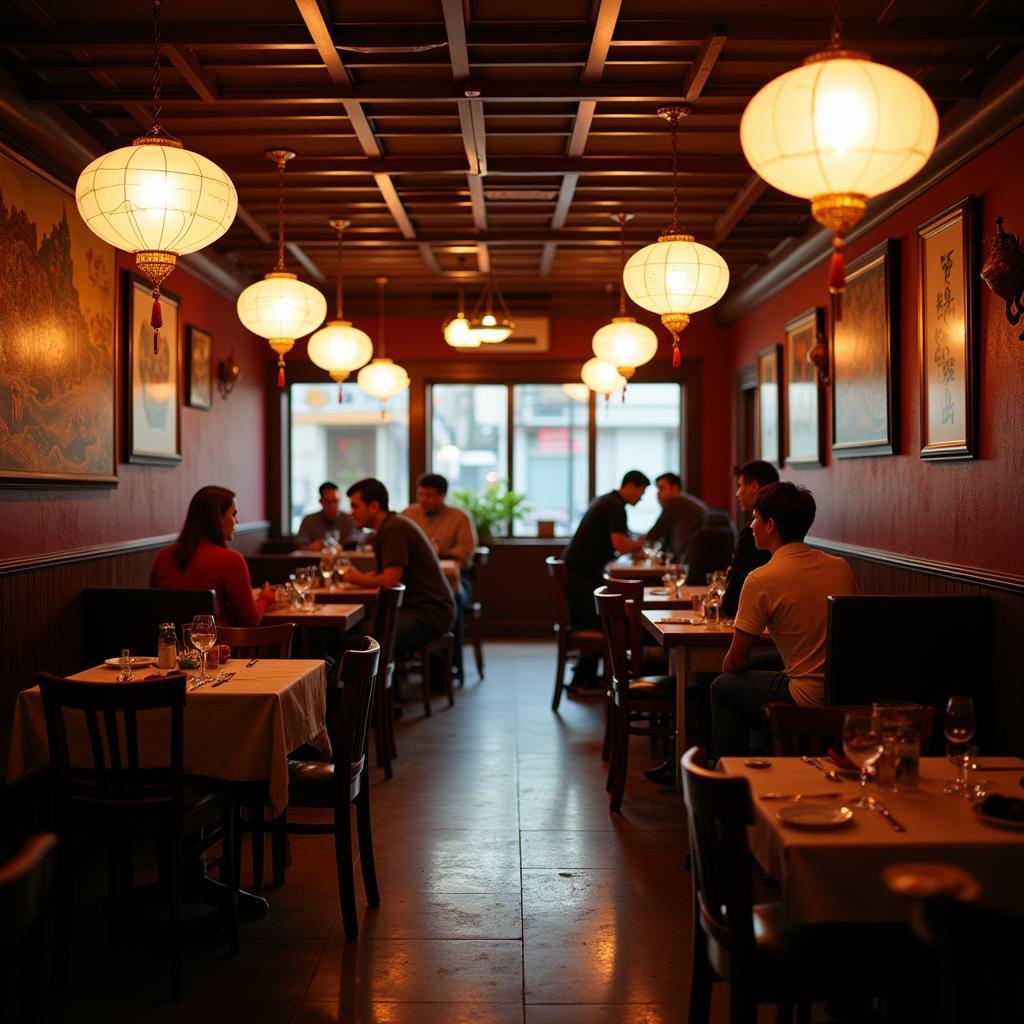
(788, 597)
(451, 531)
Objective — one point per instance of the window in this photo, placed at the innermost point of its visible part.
(641, 433)
(344, 443)
(469, 434)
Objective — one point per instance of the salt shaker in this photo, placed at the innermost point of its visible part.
(167, 646)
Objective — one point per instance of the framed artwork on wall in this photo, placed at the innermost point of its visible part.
(864, 360)
(198, 368)
(769, 404)
(804, 394)
(152, 407)
(58, 336)
(947, 333)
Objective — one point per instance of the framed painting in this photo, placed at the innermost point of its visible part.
(864, 360)
(948, 334)
(58, 336)
(152, 414)
(769, 404)
(531, 334)
(198, 368)
(804, 394)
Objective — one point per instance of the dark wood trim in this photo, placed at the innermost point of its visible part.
(1009, 582)
(28, 563)
(419, 432)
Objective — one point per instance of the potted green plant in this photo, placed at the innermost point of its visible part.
(493, 511)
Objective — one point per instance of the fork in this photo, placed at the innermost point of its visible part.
(815, 763)
(222, 678)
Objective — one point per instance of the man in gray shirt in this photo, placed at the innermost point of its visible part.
(450, 529)
(682, 515)
(316, 525)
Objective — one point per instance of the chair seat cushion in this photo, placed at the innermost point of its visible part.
(311, 783)
(586, 634)
(652, 687)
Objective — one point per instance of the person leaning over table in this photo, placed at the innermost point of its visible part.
(315, 526)
(787, 596)
(682, 515)
(201, 560)
(602, 533)
(404, 555)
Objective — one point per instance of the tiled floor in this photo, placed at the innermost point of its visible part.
(509, 894)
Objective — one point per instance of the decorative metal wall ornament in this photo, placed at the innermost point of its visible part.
(1003, 272)
(227, 375)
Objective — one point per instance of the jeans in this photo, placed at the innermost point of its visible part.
(736, 702)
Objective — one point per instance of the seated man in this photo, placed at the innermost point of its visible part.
(601, 535)
(787, 596)
(682, 515)
(330, 519)
(404, 555)
(750, 478)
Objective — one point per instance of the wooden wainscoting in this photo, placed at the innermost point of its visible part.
(885, 572)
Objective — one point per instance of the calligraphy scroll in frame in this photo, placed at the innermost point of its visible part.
(947, 333)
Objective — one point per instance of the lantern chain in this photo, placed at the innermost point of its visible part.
(157, 128)
(381, 283)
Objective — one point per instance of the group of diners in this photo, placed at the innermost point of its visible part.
(775, 583)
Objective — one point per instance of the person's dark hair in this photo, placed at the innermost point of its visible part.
(674, 479)
(635, 477)
(327, 486)
(758, 472)
(434, 481)
(202, 522)
(370, 490)
(791, 506)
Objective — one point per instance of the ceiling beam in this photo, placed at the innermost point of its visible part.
(204, 84)
(547, 258)
(702, 66)
(394, 204)
(476, 195)
(455, 30)
(310, 267)
(564, 201)
(430, 258)
(739, 208)
(254, 225)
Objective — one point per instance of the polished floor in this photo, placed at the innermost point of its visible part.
(510, 895)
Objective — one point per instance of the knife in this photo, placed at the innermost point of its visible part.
(251, 662)
(884, 812)
(800, 796)
(223, 679)
(827, 772)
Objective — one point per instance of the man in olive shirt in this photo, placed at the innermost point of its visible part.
(404, 555)
(601, 535)
(682, 515)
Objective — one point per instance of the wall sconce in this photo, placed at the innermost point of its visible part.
(817, 356)
(227, 375)
(1003, 272)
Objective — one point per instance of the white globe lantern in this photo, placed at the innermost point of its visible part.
(602, 377)
(339, 348)
(457, 333)
(383, 379)
(625, 344)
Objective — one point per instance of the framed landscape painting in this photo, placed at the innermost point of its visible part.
(947, 333)
(769, 404)
(58, 340)
(152, 409)
(199, 368)
(804, 393)
(864, 357)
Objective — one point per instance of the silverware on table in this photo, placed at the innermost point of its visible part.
(223, 678)
(884, 812)
(827, 772)
(251, 662)
(800, 796)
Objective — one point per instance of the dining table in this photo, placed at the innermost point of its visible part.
(665, 598)
(625, 568)
(338, 617)
(834, 872)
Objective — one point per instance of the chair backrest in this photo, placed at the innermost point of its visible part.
(922, 649)
(633, 592)
(615, 630)
(710, 549)
(258, 641)
(558, 575)
(797, 729)
(349, 721)
(389, 601)
(277, 568)
(118, 617)
(479, 569)
(719, 809)
(110, 779)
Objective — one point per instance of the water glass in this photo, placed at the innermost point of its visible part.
(341, 567)
(124, 666)
(308, 601)
(862, 744)
(958, 727)
(697, 603)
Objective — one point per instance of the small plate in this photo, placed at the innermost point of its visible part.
(813, 815)
(136, 662)
(677, 621)
(659, 590)
(1000, 821)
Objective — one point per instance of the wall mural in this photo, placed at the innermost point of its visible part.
(57, 336)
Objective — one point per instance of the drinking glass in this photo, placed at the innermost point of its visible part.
(327, 568)
(958, 727)
(124, 665)
(862, 744)
(341, 566)
(204, 636)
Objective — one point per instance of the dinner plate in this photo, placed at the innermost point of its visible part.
(985, 814)
(813, 815)
(693, 621)
(137, 662)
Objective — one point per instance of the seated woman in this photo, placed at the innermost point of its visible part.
(200, 560)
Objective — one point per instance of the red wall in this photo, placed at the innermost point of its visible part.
(964, 512)
(225, 446)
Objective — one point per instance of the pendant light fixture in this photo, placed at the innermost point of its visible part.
(456, 327)
(837, 131)
(676, 276)
(155, 198)
(485, 325)
(601, 377)
(281, 308)
(382, 378)
(624, 343)
(338, 347)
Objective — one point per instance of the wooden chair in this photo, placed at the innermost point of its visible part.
(750, 947)
(443, 647)
(258, 641)
(571, 642)
(345, 781)
(636, 699)
(119, 800)
(389, 601)
(796, 730)
(26, 904)
(473, 614)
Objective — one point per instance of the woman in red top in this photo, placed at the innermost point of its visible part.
(200, 559)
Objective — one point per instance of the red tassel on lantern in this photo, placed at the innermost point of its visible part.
(676, 357)
(280, 373)
(341, 396)
(156, 320)
(837, 279)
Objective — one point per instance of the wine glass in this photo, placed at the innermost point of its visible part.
(327, 567)
(204, 636)
(958, 727)
(862, 744)
(341, 567)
